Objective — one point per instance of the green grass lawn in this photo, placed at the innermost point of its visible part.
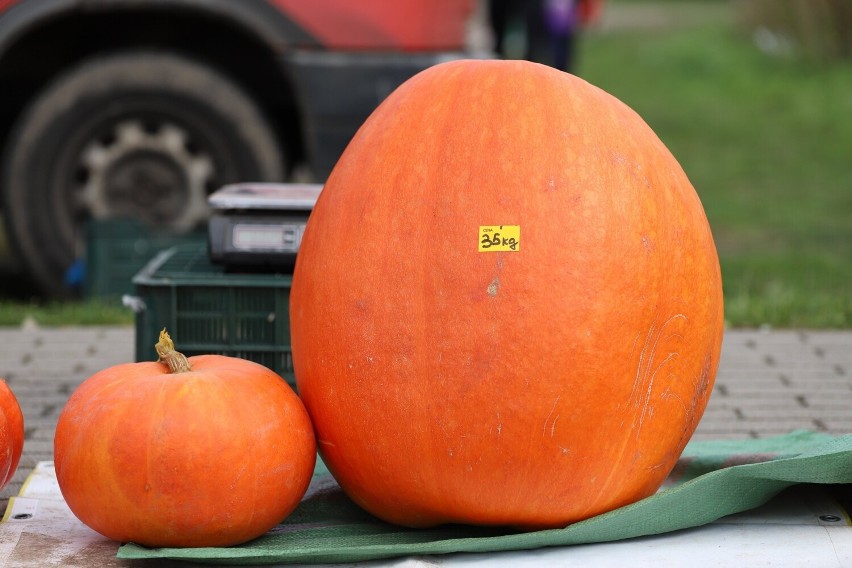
(90, 312)
(765, 140)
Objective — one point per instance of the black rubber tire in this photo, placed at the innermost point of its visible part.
(71, 155)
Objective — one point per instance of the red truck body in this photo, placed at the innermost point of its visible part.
(378, 24)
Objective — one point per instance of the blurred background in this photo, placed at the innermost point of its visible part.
(753, 97)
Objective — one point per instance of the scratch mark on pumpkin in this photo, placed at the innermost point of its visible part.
(646, 373)
(327, 443)
(637, 380)
(647, 402)
(494, 286)
(547, 420)
(669, 395)
(702, 386)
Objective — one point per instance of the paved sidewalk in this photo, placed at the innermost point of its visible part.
(43, 367)
(768, 383)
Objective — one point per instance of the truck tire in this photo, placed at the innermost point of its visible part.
(142, 135)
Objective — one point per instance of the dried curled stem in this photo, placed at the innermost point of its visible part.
(176, 361)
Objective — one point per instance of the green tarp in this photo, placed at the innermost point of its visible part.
(712, 479)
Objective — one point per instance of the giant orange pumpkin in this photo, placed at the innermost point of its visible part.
(11, 434)
(204, 451)
(507, 306)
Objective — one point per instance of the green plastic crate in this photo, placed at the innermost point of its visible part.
(208, 310)
(116, 249)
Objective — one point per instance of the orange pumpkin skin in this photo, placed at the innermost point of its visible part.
(211, 457)
(530, 388)
(11, 434)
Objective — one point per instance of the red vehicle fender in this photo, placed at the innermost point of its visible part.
(407, 25)
(590, 11)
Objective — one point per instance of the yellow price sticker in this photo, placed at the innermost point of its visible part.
(499, 238)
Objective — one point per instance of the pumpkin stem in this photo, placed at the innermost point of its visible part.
(165, 347)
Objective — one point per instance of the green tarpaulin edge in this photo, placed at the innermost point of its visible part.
(713, 479)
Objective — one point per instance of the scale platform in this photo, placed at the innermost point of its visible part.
(259, 224)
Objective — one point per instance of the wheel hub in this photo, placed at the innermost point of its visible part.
(145, 184)
(151, 172)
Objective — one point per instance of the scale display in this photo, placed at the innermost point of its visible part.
(267, 236)
(260, 224)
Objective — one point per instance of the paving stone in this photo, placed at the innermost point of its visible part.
(777, 381)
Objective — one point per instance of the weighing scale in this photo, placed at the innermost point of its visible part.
(257, 225)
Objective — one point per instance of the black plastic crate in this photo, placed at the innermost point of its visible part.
(208, 310)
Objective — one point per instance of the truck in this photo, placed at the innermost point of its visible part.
(141, 108)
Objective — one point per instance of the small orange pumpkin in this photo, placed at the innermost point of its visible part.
(205, 451)
(507, 305)
(11, 434)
